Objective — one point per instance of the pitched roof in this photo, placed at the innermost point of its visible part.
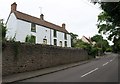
(32, 19)
(89, 40)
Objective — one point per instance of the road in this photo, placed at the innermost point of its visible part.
(104, 69)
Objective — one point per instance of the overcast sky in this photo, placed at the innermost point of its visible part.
(80, 16)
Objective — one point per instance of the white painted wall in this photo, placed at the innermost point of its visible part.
(22, 28)
(11, 26)
(42, 33)
(68, 40)
(60, 37)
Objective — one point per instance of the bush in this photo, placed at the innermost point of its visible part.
(2, 32)
(93, 51)
(109, 50)
(30, 39)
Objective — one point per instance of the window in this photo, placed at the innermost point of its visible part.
(65, 35)
(61, 43)
(44, 41)
(55, 42)
(55, 33)
(33, 27)
(65, 43)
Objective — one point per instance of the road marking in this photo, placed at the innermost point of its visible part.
(89, 72)
(105, 63)
(111, 60)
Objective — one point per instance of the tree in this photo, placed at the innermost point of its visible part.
(73, 39)
(2, 30)
(97, 38)
(109, 22)
(92, 51)
(101, 43)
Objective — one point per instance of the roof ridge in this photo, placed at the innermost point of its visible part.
(38, 18)
(26, 14)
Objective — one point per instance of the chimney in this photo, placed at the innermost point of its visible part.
(42, 17)
(63, 25)
(13, 7)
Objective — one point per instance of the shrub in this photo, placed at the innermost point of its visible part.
(30, 39)
(2, 32)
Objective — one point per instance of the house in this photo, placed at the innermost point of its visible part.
(20, 25)
(88, 40)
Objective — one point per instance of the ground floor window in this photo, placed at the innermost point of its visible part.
(65, 43)
(44, 41)
(55, 42)
(61, 43)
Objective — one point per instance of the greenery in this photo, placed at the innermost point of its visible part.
(109, 22)
(90, 49)
(30, 39)
(101, 44)
(2, 31)
(73, 39)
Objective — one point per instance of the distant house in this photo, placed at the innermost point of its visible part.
(88, 40)
(20, 25)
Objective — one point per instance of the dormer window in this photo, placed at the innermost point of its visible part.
(33, 27)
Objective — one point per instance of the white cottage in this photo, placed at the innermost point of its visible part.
(20, 25)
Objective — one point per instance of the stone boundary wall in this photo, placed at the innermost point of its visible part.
(20, 57)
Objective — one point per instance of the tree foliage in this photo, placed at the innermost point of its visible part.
(2, 31)
(73, 39)
(109, 22)
(101, 43)
(97, 38)
(92, 51)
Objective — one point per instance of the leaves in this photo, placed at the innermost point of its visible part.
(30, 39)
(73, 39)
(100, 42)
(2, 31)
(109, 21)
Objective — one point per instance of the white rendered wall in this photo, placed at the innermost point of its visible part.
(11, 26)
(68, 40)
(60, 37)
(42, 33)
(23, 29)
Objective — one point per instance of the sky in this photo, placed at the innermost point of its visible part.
(80, 16)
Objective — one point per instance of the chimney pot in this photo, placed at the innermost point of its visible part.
(13, 7)
(63, 25)
(42, 17)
